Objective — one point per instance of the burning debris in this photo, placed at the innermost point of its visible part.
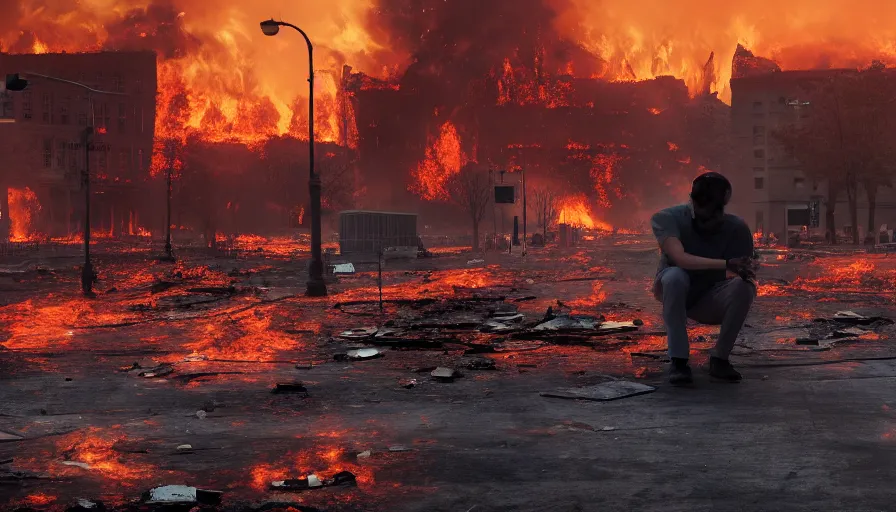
(312, 481)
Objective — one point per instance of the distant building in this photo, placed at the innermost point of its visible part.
(772, 191)
(42, 137)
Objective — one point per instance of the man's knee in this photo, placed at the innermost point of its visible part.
(742, 292)
(675, 279)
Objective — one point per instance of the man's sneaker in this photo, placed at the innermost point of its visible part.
(680, 374)
(722, 369)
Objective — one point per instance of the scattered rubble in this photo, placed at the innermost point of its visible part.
(358, 333)
(85, 505)
(612, 390)
(181, 495)
(851, 317)
(407, 383)
(312, 481)
(480, 363)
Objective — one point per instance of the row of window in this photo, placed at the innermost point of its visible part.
(61, 115)
(72, 158)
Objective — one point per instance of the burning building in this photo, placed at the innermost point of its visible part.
(44, 133)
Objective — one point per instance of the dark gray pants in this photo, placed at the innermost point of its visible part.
(726, 304)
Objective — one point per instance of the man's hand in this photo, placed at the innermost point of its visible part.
(745, 267)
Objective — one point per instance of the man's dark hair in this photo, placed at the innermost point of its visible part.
(711, 189)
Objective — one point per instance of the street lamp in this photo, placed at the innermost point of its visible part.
(315, 287)
(18, 83)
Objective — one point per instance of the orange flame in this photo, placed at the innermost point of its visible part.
(444, 158)
(23, 210)
(574, 210)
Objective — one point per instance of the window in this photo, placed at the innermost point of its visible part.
(799, 182)
(760, 220)
(60, 156)
(117, 83)
(758, 170)
(759, 153)
(138, 87)
(122, 118)
(64, 110)
(48, 153)
(142, 123)
(122, 161)
(758, 182)
(6, 105)
(103, 159)
(758, 130)
(140, 161)
(757, 106)
(26, 105)
(46, 109)
(758, 135)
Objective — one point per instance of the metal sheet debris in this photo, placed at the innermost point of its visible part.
(444, 374)
(358, 333)
(7, 436)
(344, 268)
(612, 390)
(364, 354)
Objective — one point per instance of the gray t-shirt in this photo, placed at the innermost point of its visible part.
(732, 240)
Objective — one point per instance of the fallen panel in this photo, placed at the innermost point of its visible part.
(613, 390)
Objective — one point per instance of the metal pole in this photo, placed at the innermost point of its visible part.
(315, 287)
(524, 211)
(168, 255)
(87, 274)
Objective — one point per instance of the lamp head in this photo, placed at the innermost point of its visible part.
(270, 27)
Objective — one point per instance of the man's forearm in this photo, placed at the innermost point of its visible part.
(690, 262)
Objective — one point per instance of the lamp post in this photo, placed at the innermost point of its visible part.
(315, 287)
(18, 83)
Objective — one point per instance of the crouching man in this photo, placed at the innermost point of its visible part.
(706, 273)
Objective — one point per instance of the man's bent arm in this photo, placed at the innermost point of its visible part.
(672, 247)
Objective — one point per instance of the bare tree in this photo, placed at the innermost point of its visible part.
(337, 184)
(471, 189)
(546, 200)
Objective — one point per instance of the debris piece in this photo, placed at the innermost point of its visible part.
(181, 495)
(82, 505)
(444, 374)
(407, 383)
(185, 448)
(344, 268)
(304, 366)
(398, 448)
(195, 358)
(612, 390)
(201, 414)
(343, 478)
(7, 436)
(608, 429)
(807, 341)
(660, 356)
(524, 298)
(475, 262)
(849, 332)
(566, 323)
(358, 333)
(159, 371)
(637, 322)
(364, 354)
(289, 387)
(508, 317)
(494, 325)
(82, 465)
(364, 455)
(480, 363)
(851, 317)
(530, 281)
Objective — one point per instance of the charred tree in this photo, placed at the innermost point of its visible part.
(471, 189)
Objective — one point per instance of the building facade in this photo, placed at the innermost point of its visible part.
(42, 137)
(772, 190)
